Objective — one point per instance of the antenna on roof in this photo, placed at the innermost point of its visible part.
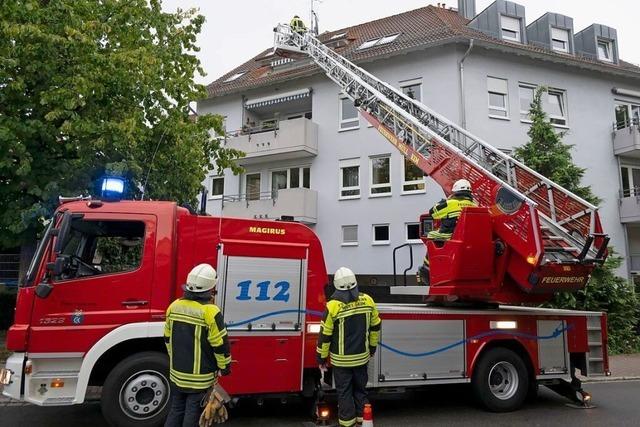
(313, 19)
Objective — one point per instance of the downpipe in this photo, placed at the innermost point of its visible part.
(463, 110)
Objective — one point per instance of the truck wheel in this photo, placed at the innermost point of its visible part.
(500, 380)
(136, 391)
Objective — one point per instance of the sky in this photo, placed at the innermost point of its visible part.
(237, 30)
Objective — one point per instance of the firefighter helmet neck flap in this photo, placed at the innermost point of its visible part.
(201, 278)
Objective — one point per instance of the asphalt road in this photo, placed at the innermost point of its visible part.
(618, 404)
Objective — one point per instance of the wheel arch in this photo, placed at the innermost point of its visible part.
(511, 344)
(147, 335)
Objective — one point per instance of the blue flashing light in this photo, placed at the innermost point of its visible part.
(112, 188)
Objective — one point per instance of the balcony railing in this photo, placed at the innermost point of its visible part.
(626, 138)
(277, 140)
(299, 203)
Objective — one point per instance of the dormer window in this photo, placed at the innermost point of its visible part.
(605, 51)
(560, 39)
(511, 29)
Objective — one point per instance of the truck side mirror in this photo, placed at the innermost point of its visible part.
(56, 268)
(43, 290)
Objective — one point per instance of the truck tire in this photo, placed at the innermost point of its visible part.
(500, 380)
(136, 392)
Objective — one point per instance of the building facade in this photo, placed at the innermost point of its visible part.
(311, 157)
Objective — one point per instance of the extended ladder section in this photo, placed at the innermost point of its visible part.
(543, 223)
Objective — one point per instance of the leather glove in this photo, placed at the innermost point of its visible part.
(372, 350)
(226, 371)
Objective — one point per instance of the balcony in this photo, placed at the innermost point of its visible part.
(287, 139)
(630, 206)
(626, 140)
(299, 203)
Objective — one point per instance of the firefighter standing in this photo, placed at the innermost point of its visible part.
(297, 25)
(349, 335)
(447, 211)
(198, 346)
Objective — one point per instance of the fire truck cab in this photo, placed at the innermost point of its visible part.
(92, 309)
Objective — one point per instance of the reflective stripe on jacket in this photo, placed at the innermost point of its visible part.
(348, 330)
(197, 343)
(448, 211)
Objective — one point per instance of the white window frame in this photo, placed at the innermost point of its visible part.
(551, 117)
(216, 196)
(350, 243)
(348, 163)
(493, 89)
(524, 114)
(373, 186)
(563, 107)
(375, 242)
(423, 181)
(288, 170)
(350, 124)
(413, 82)
(609, 49)
(406, 233)
(632, 184)
(511, 24)
(561, 35)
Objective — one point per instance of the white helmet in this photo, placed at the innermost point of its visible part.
(201, 278)
(344, 279)
(461, 185)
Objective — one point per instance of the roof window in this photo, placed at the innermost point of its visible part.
(378, 42)
(235, 76)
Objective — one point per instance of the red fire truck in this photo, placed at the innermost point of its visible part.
(91, 309)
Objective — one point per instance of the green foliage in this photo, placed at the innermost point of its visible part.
(613, 294)
(93, 87)
(548, 155)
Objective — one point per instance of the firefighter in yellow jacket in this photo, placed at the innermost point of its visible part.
(447, 211)
(297, 25)
(198, 346)
(349, 336)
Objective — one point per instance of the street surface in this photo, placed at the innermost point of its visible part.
(618, 405)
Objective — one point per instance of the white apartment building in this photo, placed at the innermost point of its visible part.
(311, 157)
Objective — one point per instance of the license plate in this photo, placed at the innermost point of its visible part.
(5, 376)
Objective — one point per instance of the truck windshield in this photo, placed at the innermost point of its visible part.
(37, 257)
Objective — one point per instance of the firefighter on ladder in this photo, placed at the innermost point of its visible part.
(447, 211)
(349, 335)
(198, 347)
(297, 25)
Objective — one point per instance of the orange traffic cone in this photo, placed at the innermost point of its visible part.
(367, 416)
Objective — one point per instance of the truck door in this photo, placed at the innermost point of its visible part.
(262, 299)
(106, 282)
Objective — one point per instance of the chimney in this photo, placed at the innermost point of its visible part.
(467, 8)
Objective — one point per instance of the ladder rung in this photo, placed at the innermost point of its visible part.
(560, 249)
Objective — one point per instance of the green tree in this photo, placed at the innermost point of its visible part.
(92, 87)
(548, 155)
